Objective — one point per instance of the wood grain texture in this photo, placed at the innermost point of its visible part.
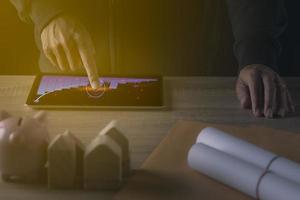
(209, 99)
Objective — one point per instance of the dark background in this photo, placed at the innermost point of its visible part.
(290, 59)
(18, 54)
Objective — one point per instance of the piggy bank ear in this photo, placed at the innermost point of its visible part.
(40, 116)
(3, 115)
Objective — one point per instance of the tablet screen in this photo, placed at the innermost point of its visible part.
(56, 90)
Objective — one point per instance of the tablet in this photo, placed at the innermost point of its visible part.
(65, 91)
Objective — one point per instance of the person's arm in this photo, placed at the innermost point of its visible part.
(257, 25)
(65, 41)
(39, 12)
(22, 7)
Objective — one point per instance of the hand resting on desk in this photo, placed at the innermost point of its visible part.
(261, 89)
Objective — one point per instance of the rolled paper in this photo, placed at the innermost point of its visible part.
(251, 153)
(236, 147)
(225, 168)
(286, 168)
(241, 175)
(274, 187)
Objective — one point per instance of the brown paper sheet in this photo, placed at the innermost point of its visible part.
(165, 174)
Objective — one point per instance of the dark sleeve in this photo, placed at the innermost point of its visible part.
(257, 25)
(40, 12)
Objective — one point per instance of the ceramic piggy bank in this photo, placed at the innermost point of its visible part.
(23, 148)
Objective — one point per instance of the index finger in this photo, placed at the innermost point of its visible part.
(89, 63)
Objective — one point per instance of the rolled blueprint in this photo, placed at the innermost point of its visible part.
(251, 153)
(234, 146)
(274, 187)
(241, 175)
(225, 168)
(286, 168)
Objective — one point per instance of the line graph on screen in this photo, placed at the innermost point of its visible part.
(53, 84)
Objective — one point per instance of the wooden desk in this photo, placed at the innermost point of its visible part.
(208, 99)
